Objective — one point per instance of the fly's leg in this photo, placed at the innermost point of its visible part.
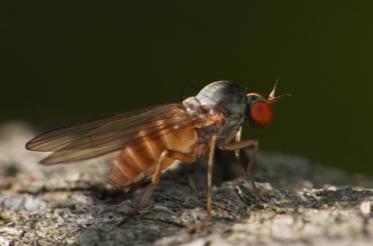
(237, 139)
(176, 155)
(237, 147)
(172, 154)
(210, 167)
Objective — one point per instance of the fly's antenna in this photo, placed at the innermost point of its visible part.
(272, 95)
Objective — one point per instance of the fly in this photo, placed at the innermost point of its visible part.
(148, 141)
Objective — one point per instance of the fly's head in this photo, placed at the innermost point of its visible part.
(259, 108)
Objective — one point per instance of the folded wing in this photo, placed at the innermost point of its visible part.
(106, 135)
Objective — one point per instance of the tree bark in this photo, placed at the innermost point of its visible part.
(302, 203)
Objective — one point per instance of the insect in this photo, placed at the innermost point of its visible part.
(148, 141)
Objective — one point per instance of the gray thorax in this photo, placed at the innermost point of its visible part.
(219, 97)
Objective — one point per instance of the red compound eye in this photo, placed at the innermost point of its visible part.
(261, 113)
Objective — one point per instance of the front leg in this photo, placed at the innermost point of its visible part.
(237, 147)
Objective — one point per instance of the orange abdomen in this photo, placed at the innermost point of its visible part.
(138, 159)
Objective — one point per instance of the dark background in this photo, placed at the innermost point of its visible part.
(66, 61)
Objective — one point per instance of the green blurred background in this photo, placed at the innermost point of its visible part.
(66, 61)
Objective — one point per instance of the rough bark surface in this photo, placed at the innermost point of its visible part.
(302, 203)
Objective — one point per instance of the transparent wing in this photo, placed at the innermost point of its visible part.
(102, 136)
(61, 137)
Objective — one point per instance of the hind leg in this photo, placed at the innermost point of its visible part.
(172, 154)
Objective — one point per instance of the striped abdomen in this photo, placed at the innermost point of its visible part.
(138, 159)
